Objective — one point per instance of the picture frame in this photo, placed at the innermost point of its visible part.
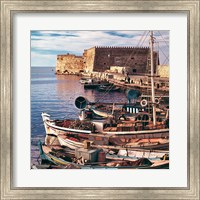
(8, 10)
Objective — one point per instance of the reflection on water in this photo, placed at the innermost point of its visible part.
(69, 88)
(55, 94)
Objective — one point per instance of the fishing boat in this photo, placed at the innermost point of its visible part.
(95, 159)
(48, 156)
(84, 80)
(108, 88)
(105, 132)
(140, 127)
(76, 141)
(129, 110)
(95, 83)
(91, 85)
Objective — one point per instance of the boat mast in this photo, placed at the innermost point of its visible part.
(152, 79)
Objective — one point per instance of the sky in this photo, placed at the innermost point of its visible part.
(46, 45)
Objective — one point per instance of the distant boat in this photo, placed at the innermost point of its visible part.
(95, 83)
(108, 88)
(84, 80)
(91, 85)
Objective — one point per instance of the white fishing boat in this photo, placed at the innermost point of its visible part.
(144, 128)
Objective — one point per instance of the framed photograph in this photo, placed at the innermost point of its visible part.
(87, 93)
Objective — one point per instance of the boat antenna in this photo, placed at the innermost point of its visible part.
(152, 78)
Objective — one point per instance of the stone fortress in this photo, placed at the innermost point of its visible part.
(69, 63)
(100, 59)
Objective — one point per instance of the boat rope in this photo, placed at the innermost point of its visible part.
(165, 61)
(166, 48)
(166, 57)
(163, 39)
(142, 40)
(38, 159)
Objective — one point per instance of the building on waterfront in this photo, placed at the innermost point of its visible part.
(100, 59)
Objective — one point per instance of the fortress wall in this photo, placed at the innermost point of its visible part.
(89, 59)
(104, 57)
(99, 59)
(69, 63)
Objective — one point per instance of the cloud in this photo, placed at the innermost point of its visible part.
(119, 34)
(60, 35)
(52, 33)
(52, 43)
(46, 60)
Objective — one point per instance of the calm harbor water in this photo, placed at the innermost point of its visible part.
(55, 95)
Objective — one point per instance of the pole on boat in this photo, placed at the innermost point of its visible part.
(113, 108)
(152, 78)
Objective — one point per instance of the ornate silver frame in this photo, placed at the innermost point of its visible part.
(9, 8)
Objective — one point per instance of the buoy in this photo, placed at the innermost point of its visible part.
(143, 103)
(157, 101)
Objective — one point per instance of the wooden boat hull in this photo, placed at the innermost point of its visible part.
(46, 155)
(133, 155)
(52, 129)
(138, 144)
(91, 86)
(69, 143)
